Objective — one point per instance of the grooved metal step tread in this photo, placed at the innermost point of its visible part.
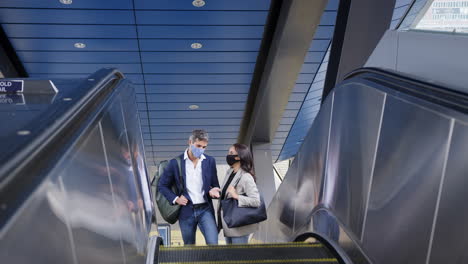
(248, 254)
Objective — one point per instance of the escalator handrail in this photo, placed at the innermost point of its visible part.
(23, 171)
(432, 92)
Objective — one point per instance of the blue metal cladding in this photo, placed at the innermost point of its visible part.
(401, 6)
(305, 100)
(201, 32)
(246, 18)
(151, 43)
(209, 5)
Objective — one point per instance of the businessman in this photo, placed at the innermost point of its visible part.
(200, 185)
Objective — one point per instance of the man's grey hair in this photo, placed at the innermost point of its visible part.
(199, 134)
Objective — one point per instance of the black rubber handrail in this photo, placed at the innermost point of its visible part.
(25, 170)
(432, 92)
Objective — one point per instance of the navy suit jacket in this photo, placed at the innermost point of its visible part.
(171, 176)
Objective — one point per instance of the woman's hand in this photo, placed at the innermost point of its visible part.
(214, 192)
(231, 190)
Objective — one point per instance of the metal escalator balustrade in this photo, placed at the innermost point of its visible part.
(248, 254)
(382, 169)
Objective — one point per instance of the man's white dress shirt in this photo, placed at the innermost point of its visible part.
(194, 179)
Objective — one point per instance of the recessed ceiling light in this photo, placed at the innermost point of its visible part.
(23, 132)
(66, 2)
(193, 107)
(196, 45)
(79, 45)
(198, 3)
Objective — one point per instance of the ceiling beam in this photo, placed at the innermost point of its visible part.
(275, 76)
(359, 27)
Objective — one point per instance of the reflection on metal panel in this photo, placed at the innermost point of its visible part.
(90, 206)
(392, 190)
(450, 233)
(405, 183)
(355, 127)
(42, 220)
(89, 203)
(309, 189)
(127, 195)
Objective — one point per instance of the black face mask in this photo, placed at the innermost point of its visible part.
(231, 159)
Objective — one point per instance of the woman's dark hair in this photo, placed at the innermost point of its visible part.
(246, 159)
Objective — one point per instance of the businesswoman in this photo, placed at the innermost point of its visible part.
(239, 184)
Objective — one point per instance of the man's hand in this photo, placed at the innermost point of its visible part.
(231, 190)
(214, 192)
(181, 200)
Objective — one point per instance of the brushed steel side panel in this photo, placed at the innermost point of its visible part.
(125, 184)
(356, 119)
(451, 235)
(311, 161)
(39, 233)
(405, 184)
(93, 218)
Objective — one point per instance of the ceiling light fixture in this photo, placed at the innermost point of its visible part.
(193, 107)
(196, 45)
(198, 3)
(66, 2)
(79, 45)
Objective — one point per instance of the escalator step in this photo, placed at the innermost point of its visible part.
(248, 254)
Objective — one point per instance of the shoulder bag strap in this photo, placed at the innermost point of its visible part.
(181, 179)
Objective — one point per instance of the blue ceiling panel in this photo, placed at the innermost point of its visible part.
(314, 56)
(284, 128)
(199, 114)
(297, 97)
(333, 5)
(324, 32)
(79, 57)
(68, 44)
(156, 55)
(78, 68)
(139, 88)
(199, 56)
(319, 45)
(135, 78)
(143, 114)
(208, 45)
(328, 18)
(92, 4)
(301, 88)
(58, 16)
(310, 67)
(213, 147)
(188, 129)
(185, 136)
(201, 18)
(69, 31)
(200, 32)
(305, 78)
(195, 98)
(184, 140)
(198, 79)
(195, 122)
(293, 106)
(190, 89)
(194, 68)
(202, 106)
(209, 5)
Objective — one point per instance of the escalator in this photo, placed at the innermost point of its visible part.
(383, 147)
(246, 254)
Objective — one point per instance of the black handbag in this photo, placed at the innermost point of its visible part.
(236, 216)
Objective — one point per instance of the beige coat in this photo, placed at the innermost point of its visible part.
(248, 197)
